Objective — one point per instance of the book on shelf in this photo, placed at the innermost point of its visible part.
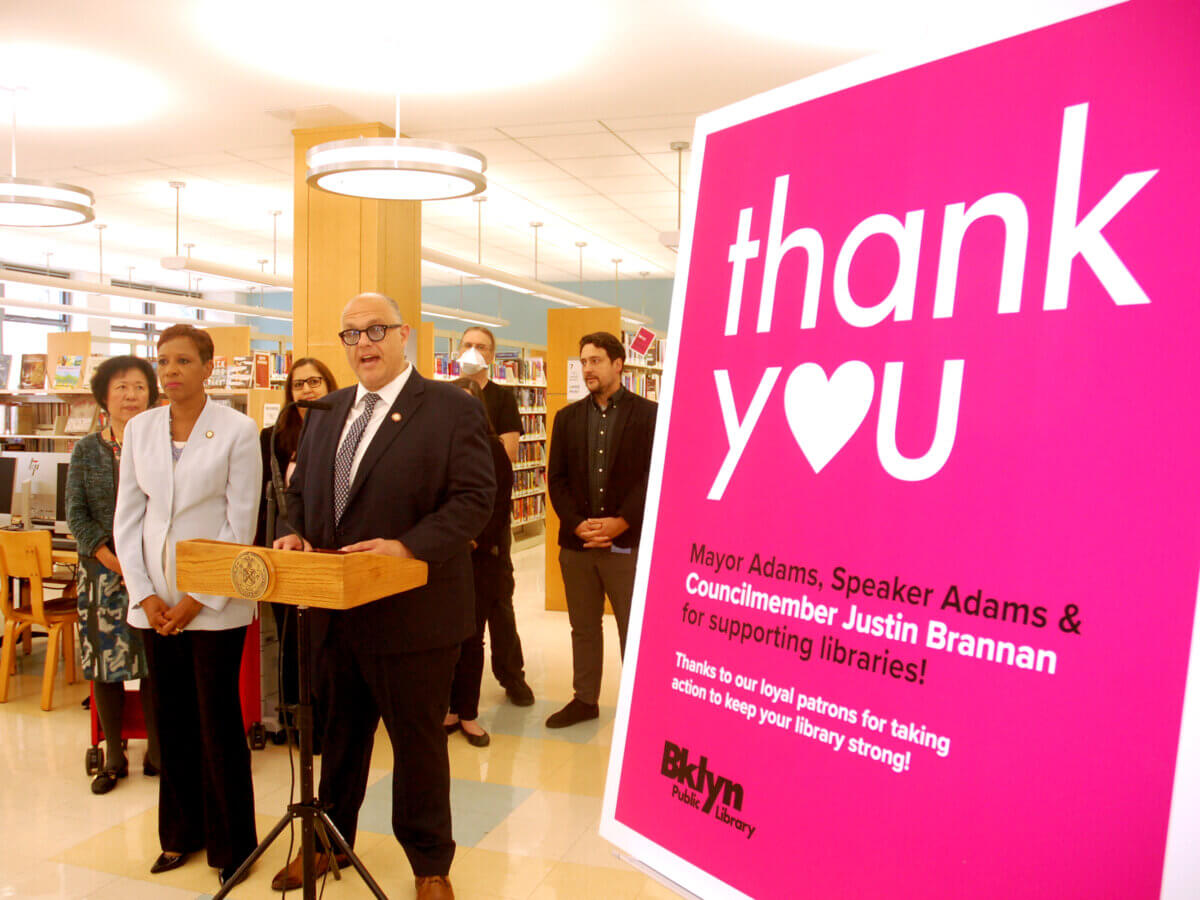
(219, 378)
(241, 372)
(68, 372)
(93, 363)
(262, 369)
(82, 413)
(5, 370)
(33, 371)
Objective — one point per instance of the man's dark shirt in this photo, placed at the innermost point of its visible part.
(599, 422)
(501, 403)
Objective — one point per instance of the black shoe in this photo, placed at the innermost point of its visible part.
(450, 729)
(228, 872)
(519, 693)
(477, 740)
(573, 713)
(166, 863)
(149, 768)
(106, 780)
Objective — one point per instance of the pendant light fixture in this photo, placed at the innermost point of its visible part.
(396, 168)
(33, 203)
(670, 239)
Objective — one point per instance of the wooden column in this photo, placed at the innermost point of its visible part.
(564, 328)
(345, 246)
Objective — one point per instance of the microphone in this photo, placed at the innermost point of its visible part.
(312, 404)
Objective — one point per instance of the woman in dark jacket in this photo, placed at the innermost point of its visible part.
(487, 565)
(111, 650)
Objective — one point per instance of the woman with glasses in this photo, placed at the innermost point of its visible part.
(309, 379)
(192, 470)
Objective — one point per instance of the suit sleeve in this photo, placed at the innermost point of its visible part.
(559, 476)
(633, 507)
(129, 520)
(470, 492)
(242, 488)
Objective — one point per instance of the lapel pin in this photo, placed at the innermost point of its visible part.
(208, 434)
(395, 417)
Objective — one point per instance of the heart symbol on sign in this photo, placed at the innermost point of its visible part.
(824, 413)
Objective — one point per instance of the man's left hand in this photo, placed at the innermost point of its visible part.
(605, 531)
(379, 545)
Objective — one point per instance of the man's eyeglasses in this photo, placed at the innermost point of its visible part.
(375, 332)
(311, 383)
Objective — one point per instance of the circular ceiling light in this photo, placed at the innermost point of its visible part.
(29, 202)
(396, 169)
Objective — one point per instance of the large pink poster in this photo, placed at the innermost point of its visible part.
(920, 595)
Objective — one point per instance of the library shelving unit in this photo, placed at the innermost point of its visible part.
(527, 377)
(35, 418)
(564, 328)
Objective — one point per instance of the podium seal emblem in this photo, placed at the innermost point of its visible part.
(251, 574)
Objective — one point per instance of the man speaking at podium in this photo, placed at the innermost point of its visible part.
(396, 465)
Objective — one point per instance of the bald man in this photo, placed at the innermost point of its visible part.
(398, 465)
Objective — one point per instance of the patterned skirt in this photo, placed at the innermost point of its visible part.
(111, 649)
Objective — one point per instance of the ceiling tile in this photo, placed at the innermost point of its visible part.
(682, 122)
(273, 151)
(550, 192)
(609, 166)
(656, 140)
(628, 184)
(588, 126)
(573, 146)
(531, 170)
(194, 159)
(124, 167)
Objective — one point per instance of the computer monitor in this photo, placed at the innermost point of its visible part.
(8, 481)
(60, 500)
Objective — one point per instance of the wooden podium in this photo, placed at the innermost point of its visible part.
(321, 579)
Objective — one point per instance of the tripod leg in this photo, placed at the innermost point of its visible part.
(258, 851)
(340, 843)
(325, 842)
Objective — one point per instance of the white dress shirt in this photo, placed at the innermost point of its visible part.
(387, 396)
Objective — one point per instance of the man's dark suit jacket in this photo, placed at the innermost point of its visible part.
(427, 481)
(629, 468)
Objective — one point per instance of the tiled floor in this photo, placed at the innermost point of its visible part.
(526, 809)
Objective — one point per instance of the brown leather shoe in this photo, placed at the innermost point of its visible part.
(291, 876)
(434, 887)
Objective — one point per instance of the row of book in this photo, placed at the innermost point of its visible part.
(38, 372)
(644, 383)
(531, 452)
(529, 480)
(504, 371)
(533, 424)
(530, 397)
(525, 509)
(262, 369)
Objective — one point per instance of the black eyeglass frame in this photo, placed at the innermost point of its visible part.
(311, 383)
(352, 336)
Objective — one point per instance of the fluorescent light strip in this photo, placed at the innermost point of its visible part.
(220, 270)
(97, 313)
(108, 290)
(463, 315)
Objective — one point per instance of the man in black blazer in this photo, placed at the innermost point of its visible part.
(598, 470)
(397, 465)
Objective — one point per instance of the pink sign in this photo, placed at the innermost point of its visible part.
(918, 603)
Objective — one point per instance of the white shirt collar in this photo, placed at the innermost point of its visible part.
(389, 392)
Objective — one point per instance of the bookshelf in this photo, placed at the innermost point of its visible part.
(527, 377)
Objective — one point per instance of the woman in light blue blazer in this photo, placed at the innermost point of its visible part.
(192, 469)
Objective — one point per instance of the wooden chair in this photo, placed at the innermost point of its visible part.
(25, 557)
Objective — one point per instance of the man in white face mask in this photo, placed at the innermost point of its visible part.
(476, 352)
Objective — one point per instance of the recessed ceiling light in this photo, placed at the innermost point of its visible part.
(411, 48)
(65, 87)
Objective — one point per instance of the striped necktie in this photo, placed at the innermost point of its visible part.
(345, 457)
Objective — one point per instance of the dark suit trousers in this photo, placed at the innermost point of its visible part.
(464, 692)
(205, 791)
(410, 692)
(508, 662)
(589, 575)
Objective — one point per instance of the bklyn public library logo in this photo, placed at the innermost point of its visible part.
(700, 788)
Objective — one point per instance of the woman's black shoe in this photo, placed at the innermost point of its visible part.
(106, 780)
(149, 768)
(166, 863)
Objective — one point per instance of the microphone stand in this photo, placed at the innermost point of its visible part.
(308, 810)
